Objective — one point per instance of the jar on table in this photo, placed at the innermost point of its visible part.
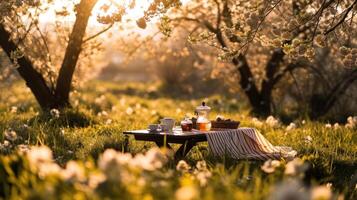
(203, 123)
(186, 124)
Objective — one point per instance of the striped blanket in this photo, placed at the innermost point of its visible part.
(246, 143)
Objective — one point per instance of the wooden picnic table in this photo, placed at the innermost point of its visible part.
(187, 139)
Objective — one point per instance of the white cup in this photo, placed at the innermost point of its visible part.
(167, 124)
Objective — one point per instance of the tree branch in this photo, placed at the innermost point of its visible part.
(34, 80)
(348, 10)
(97, 34)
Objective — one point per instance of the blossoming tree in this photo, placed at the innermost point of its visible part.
(20, 35)
(284, 35)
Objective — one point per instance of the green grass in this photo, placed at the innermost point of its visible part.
(102, 111)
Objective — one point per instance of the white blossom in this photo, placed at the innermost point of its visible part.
(13, 109)
(55, 113)
(257, 122)
(10, 135)
(73, 171)
(308, 139)
(336, 126)
(269, 166)
(182, 166)
(186, 193)
(271, 121)
(291, 126)
(295, 167)
(351, 122)
(321, 193)
(129, 111)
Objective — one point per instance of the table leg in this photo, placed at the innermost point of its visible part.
(184, 149)
(161, 143)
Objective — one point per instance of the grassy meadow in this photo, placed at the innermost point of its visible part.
(326, 167)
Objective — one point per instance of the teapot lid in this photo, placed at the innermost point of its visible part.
(203, 107)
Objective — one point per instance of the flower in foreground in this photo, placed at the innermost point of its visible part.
(295, 167)
(13, 109)
(186, 193)
(182, 166)
(73, 171)
(269, 166)
(41, 154)
(41, 161)
(321, 193)
(202, 173)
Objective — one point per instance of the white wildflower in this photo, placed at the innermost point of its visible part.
(201, 165)
(269, 166)
(100, 100)
(321, 193)
(295, 167)
(110, 165)
(7, 144)
(182, 166)
(95, 179)
(129, 111)
(303, 122)
(122, 101)
(13, 109)
(40, 154)
(186, 193)
(23, 148)
(41, 160)
(308, 139)
(10, 135)
(73, 171)
(47, 169)
(152, 160)
(202, 176)
(138, 106)
(291, 126)
(108, 122)
(103, 113)
(257, 122)
(271, 121)
(351, 122)
(329, 185)
(336, 126)
(328, 125)
(55, 113)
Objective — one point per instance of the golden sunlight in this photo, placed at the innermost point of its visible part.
(102, 8)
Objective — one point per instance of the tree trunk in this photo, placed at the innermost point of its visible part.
(34, 80)
(268, 83)
(320, 105)
(73, 51)
(249, 87)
